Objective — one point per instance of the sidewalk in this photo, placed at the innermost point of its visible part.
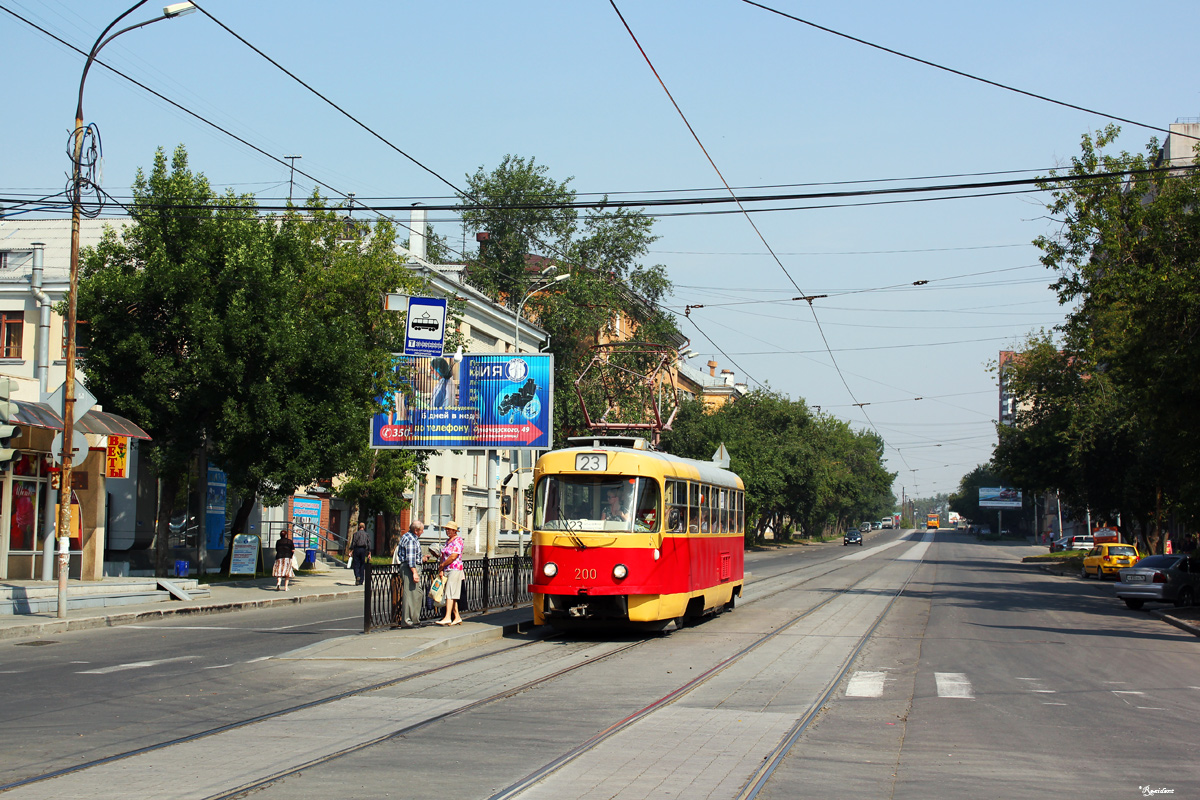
(233, 596)
(309, 588)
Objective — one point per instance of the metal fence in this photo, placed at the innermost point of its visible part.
(487, 583)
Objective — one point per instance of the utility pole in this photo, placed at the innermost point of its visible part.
(292, 176)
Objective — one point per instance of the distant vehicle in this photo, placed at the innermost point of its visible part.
(1160, 579)
(865, 527)
(1058, 545)
(886, 523)
(932, 522)
(852, 537)
(876, 525)
(1107, 559)
(1080, 543)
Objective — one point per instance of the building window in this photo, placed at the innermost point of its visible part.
(79, 334)
(12, 328)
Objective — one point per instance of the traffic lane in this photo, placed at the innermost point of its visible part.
(990, 678)
(1053, 667)
(769, 563)
(185, 681)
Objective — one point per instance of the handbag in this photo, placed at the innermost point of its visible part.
(437, 590)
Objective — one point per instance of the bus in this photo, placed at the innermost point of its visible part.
(932, 522)
(626, 535)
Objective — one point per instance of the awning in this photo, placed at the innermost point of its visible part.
(100, 423)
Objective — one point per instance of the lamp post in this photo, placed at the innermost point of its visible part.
(493, 528)
(64, 510)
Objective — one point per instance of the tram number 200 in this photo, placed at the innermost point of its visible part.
(591, 462)
(585, 574)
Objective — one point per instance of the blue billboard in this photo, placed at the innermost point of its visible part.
(493, 401)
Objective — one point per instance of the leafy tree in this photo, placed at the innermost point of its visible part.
(1111, 417)
(611, 294)
(261, 339)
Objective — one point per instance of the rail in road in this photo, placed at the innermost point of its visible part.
(199, 764)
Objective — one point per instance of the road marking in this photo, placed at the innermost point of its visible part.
(1117, 691)
(1149, 708)
(1054, 704)
(134, 665)
(1042, 691)
(953, 685)
(917, 551)
(260, 658)
(866, 684)
(220, 666)
(872, 551)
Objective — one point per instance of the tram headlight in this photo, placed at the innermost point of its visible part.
(620, 571)
(657, 553)
(550, 569)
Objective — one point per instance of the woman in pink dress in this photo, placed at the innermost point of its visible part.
(451, 568)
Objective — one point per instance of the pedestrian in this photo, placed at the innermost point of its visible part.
(451, 567)
(360, 549)
(408, 558)
(284, 550)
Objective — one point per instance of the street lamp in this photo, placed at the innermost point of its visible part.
(64, 511)
(517, 327)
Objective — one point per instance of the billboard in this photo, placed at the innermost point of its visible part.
(494, 401)
(999, 497)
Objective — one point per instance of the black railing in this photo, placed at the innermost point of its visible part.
(487, 583)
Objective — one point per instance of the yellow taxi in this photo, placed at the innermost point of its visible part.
(1106, 559)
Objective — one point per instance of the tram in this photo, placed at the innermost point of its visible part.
(623, 534)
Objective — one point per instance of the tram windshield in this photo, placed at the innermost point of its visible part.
(597, 503)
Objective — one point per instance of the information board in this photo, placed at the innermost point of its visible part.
(493, 401)
(306, 521)
(244, 559)
(999, 497)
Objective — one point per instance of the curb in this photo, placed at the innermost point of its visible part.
(1183, 625)
(113, 620)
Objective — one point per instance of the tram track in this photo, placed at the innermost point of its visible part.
(772, 584)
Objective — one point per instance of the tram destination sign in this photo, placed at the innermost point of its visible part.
(492, 401)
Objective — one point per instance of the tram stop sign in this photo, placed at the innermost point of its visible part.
(425, 331)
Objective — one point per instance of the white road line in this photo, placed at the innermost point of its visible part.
(1054, 704)
(1042, 691)
(866, 684)
(134, 665)
(1149, 708)
(953, 685)
(1117, 691)
(220, 666)
(260, 658)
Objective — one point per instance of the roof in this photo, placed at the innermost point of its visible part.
(100, 423)
(18, 234)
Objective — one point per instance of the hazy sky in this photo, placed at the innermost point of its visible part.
(457, 85)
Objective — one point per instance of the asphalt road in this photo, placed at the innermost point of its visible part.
(938, 669)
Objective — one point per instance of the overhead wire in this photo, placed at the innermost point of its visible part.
(742, 208)
(967, 75)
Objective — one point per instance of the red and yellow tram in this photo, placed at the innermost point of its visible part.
(625, 534)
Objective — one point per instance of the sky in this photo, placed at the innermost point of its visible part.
(779, 106)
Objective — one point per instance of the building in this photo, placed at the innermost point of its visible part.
(711, 389)
(34, 276)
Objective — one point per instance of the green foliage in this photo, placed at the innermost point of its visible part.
(610, 295)
(800, 469)
(262, 339)
(1109, 421)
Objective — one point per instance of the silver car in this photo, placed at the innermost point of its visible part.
(1160, 579)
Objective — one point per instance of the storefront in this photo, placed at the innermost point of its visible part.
(30, 493)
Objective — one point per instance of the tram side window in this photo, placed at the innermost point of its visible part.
(693, 508)
(741, 512)
(705, 508)
(724, 500)
(648, 516)
(677, 501)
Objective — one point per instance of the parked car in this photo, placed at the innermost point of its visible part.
(1059, 544)
(1160, 579)
(1080, 543)
(852, 537)
(865, 527)
(1106, 559)
(876, 525)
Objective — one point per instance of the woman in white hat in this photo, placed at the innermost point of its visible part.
(451, 568)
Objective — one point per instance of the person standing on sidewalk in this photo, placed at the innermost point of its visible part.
(408, 557)
(284, 550)
(360, 548)
(452, 567)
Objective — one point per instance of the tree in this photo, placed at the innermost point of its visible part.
(1124, 438)
(260, 339)
(522, 210)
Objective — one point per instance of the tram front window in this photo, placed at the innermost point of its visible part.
(597, 503)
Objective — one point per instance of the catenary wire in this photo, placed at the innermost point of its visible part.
(968, 75)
